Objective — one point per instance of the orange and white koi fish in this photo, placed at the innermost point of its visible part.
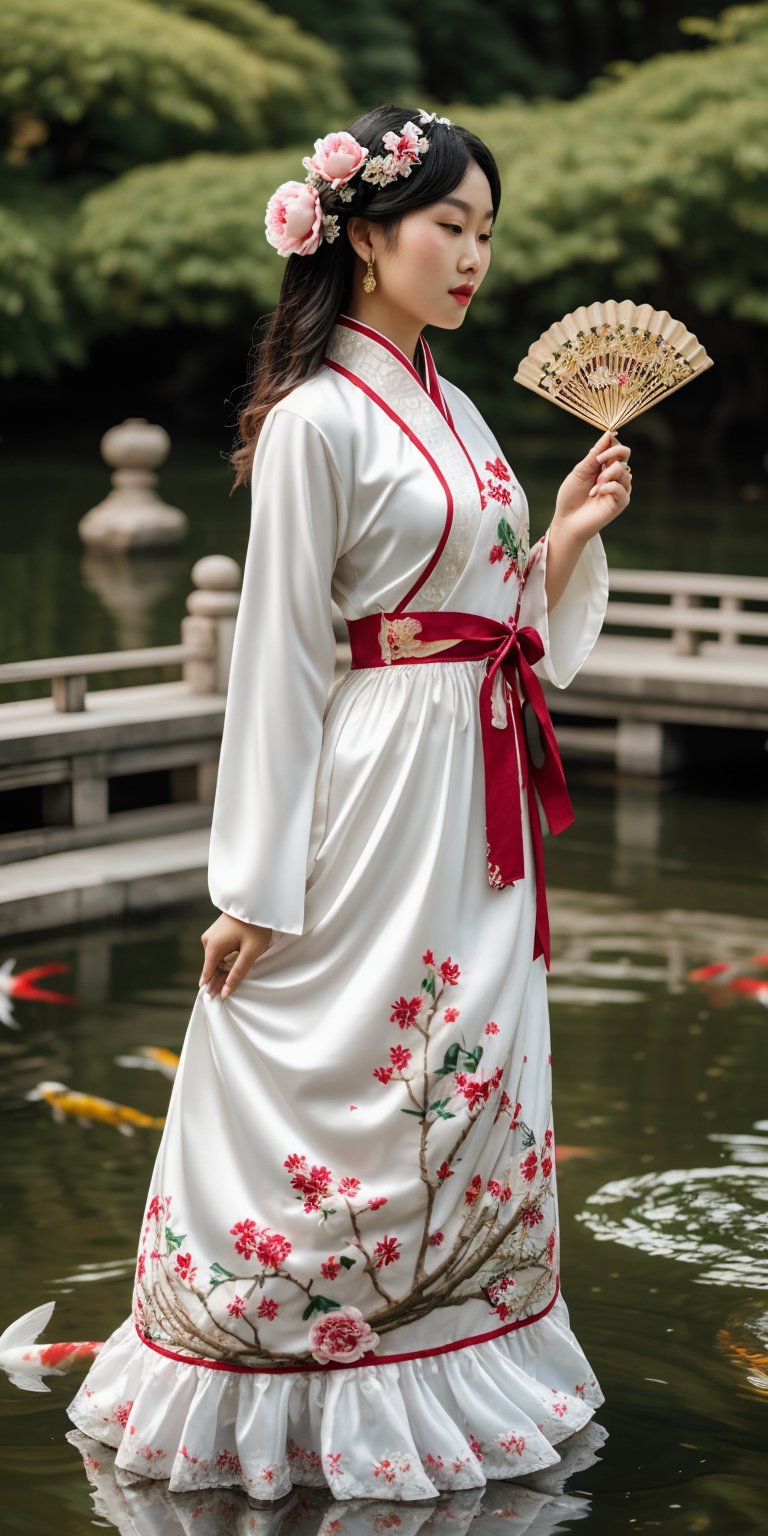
(566, 1154)
(26, 1361)
(23, 986)
(735, 978)
(86, 1108)
(153, 1057)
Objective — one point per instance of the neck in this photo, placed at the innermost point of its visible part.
(399, 329)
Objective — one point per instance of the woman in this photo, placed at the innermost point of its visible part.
(348, 1269)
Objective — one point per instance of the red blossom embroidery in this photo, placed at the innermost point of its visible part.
(228, 1461)
(349, 1187)
(450, 972)
(495, 554)
(386, 1252)
(498, 468)
(272, 1249)
(377, 1202)
(330, 1269)
(451, 1015)
(268, 1309)
(122, 1413)
(333, 1460)
(313, 1183)
(551, 1246)
(475, 1089)
(437, 1238)
(547, 1138)
(529, 1165)
(246, 1234)
(532, 1215)
(428, 958)
(236, 1307)
(444, 1172)
(382, 1073)
(141, 1266)
(512, 1443)
(546, 1166)
(501, 1192)
(400, 1056)
(473, 1190)
(476, 1447)
(405, 1013)
(185, 1269)
(491, 1028)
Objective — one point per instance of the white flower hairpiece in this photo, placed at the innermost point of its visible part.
(432, 117)
(297, 218)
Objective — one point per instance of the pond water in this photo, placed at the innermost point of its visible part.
(662, 1123)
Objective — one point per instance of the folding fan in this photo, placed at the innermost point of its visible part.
(611, 361)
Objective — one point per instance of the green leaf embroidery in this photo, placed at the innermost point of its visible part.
(428, 985)
(346, 1262)
(419, 1113)
(450, 1060)
(438, 1108)
(320, 1304)
(172, 1241)
(529, 1139)
(219, 1274)
(507, 539)
(473, 1056)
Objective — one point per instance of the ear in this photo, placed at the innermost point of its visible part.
(359, 236)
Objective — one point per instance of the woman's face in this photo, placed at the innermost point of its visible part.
(438, 249)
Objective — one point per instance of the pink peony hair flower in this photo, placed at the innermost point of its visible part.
(294, 219)
(337, 158)
(342, 1335)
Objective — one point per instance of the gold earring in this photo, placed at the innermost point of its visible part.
(369, 281)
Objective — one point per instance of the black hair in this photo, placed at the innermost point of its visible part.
(316, 288)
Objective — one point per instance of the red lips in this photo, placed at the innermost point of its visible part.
(466, 290)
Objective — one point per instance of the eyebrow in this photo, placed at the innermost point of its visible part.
(456, 202)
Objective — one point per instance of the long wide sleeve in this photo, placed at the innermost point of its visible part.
(569, 632)
(282, 667)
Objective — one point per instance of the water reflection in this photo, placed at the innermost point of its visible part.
(131, 588)
(143, 1508)
(710, 1218)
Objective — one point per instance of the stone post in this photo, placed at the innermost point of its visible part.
(210, 622)
(133, 516)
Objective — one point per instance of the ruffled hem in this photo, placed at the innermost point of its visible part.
(408, 1431)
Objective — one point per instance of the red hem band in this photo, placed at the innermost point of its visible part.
(369, 1359)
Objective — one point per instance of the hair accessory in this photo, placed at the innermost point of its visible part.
(432, 117)
(369, 281)
(299, 215)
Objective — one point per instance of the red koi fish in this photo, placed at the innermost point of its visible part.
(722, 980)
(23, 986)
(26, 1361)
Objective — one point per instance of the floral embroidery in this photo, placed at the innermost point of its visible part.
(399, 639)
(512, 1444)
(510, 547)
(487, 1240)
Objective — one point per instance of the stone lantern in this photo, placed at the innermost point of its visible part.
(133, 516)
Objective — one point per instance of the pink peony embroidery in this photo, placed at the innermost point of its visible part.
(272, 1249)
(342, 1336)
(337, 158)
(294, 219)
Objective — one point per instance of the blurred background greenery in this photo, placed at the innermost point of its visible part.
(141, 140)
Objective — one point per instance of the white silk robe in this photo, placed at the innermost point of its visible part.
(348, 1269)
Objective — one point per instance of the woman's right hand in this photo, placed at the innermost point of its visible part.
(230, 937)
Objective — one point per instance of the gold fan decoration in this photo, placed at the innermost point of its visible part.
(609, 362)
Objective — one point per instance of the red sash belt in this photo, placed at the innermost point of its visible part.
(526, 754)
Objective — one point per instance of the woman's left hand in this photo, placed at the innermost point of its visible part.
(596, 491)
